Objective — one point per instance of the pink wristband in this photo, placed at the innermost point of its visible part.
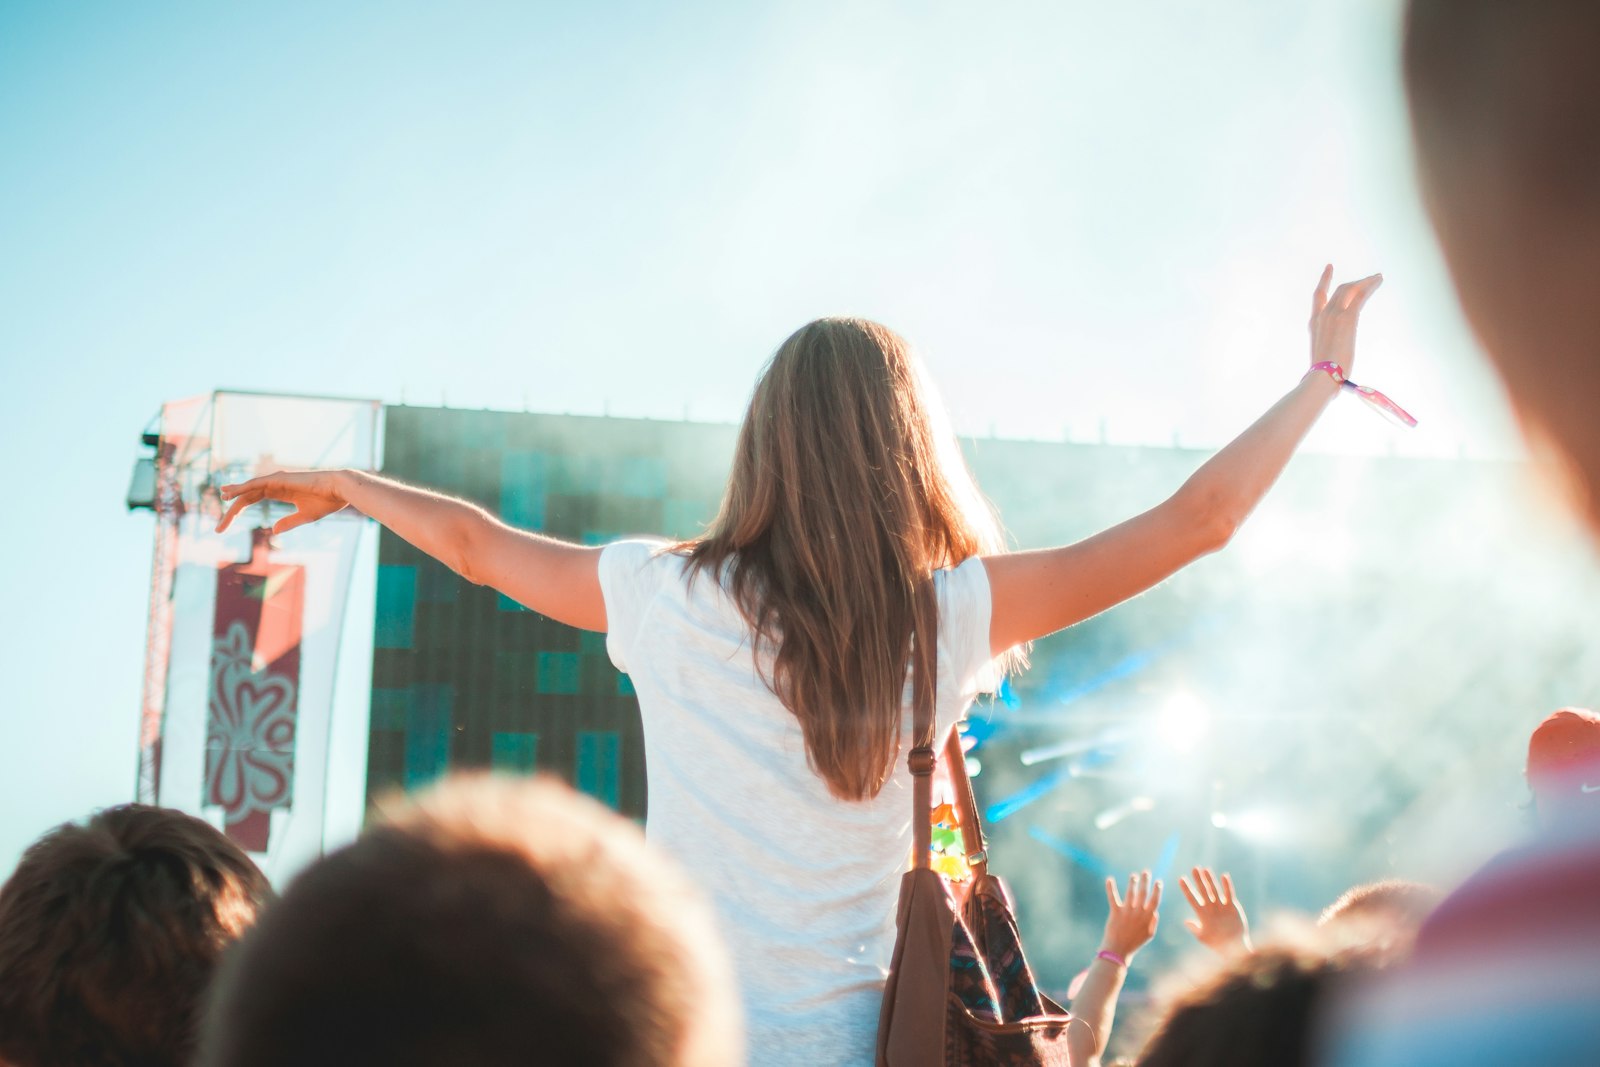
(1111, 957)
(1376, 400)
(1331, 369)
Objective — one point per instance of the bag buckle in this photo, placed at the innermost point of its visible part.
(921, 761)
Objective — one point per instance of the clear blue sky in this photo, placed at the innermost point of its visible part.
(1084, 213)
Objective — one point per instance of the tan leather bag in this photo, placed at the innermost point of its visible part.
(960, 991)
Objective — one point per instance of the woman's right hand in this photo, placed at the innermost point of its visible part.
(314, 494)
(1333, 318)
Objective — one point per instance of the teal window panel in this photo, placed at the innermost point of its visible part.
(600, 537)
(391, 708)
(591, 642)
(428, 730)
(625, 685)
(559, 672)
(514, 751)
(684, 518)
(643, 477)
(396, 606)
(385, 755)
(599, 765)
(505, 603)
(524, 484)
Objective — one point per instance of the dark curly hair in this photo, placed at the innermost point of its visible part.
(1262, 1009)
(109, 933)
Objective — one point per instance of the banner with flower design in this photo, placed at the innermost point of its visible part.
(252, 718)
(254, 693)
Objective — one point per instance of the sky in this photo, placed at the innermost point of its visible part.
(1094, 221)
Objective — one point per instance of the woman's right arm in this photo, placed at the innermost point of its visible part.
(556, 579)
(1039, 592)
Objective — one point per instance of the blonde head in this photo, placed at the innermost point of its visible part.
(847, 492)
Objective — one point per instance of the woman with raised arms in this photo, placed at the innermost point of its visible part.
(771, 655)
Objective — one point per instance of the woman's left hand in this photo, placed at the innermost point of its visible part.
(1334, 318)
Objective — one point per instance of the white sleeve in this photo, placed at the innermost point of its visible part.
(965, 605)
(630, 572)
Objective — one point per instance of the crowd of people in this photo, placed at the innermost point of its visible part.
(850, 575)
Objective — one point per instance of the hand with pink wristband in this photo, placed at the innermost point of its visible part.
(1333, 339)
(1130, 927)
(1133, 919)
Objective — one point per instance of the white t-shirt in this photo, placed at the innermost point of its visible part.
(805, 885)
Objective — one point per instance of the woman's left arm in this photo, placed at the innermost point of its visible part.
(1039, 592)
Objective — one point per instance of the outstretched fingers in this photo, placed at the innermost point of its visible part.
(1144, 893)
(241, 500)
(298, 517)
(254, 485)
(1363, 292)
(1351, 295)
(1341, 297)
(1319, 298)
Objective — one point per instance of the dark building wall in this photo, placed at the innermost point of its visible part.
(464, 677)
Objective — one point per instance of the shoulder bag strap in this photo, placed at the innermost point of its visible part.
(924, 690)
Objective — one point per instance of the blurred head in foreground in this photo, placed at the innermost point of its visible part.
(1504, 971)
(1541, 900)
(1385, 910)
(491, 922)
(1263, 1009)
(1505, 968)
(1564, 769)
(109, 933)
(1505, 107)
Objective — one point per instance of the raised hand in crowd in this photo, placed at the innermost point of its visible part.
(1219, 921)
(1129, 928)
(1133, 921)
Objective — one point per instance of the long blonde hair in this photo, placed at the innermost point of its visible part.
(847, 492)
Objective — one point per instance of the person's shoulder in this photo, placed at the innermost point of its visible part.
(639, 562)
(969, 578)
(968, 569)
(644, 551)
